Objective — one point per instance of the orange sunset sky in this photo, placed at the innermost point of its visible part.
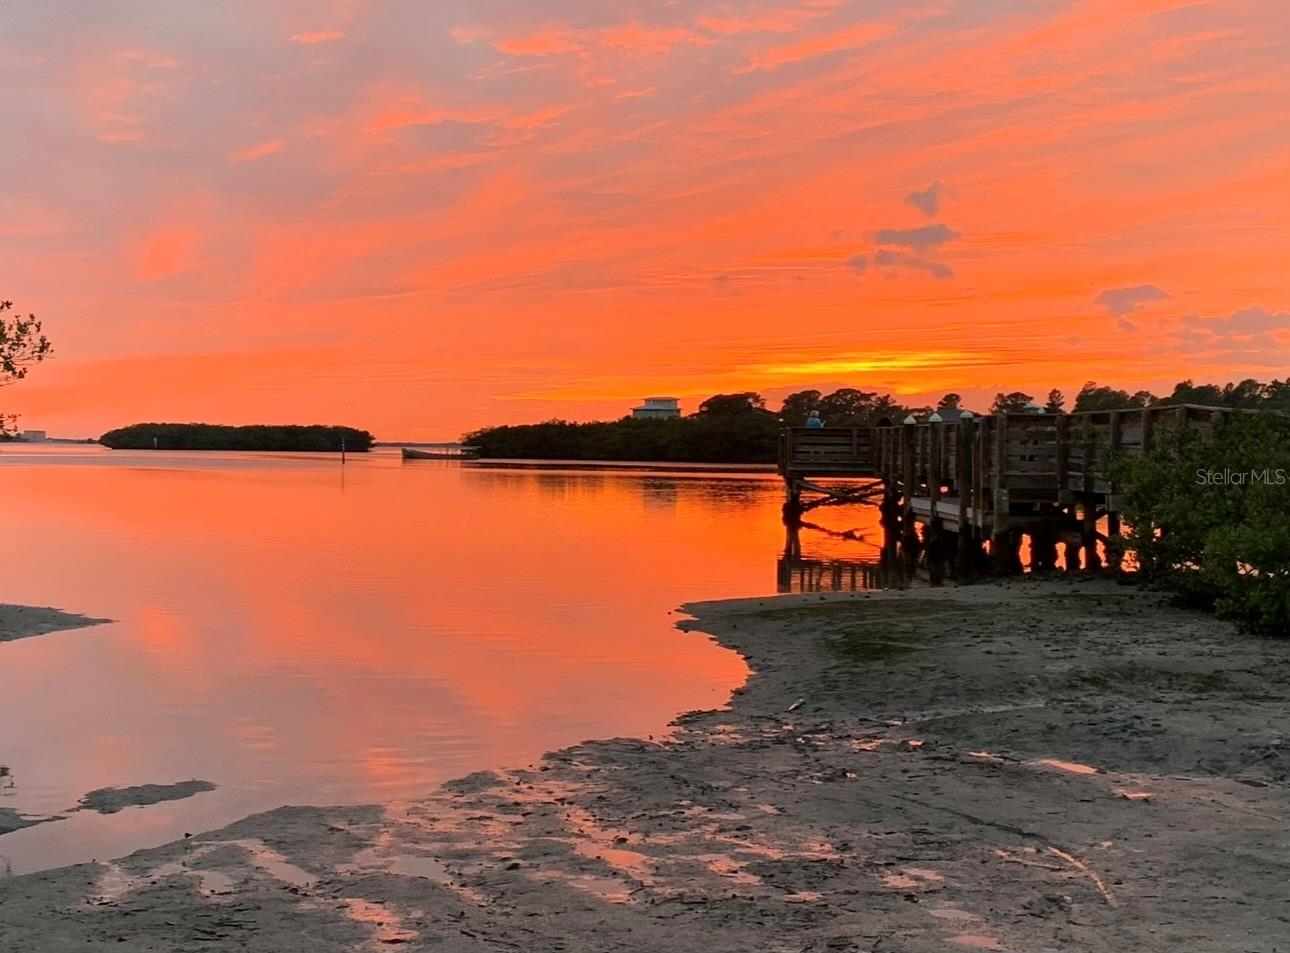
(421, 217)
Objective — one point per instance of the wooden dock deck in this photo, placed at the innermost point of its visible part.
(983, 481)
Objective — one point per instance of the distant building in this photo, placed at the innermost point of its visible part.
(658, 408)
(35, 436)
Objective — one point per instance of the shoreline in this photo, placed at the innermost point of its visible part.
(1026, 765)
(627, 466)
(24, 622)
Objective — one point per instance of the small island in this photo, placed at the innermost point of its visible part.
(316, 438)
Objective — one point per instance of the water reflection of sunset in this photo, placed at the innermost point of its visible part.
(299, 636)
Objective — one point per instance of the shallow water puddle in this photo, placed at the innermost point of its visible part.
(804, 896)
(274, 864)
(630, 862)
(1134, 795)
(603, 888)
(1071, 767)
(594, 841)
(387, 926)
(378, 858)
(912, 878)
(727, 868)
(115, 882)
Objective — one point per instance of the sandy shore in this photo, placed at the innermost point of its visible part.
(21, 622)
(1030, 766)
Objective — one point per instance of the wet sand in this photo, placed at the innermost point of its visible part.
(21, 622)
(1026, 766)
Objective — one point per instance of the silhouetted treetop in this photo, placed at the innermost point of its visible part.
(1093, 396)
(747, 402)
(1014, 403)
(22, 345)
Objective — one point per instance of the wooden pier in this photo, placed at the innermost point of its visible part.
(953, 490)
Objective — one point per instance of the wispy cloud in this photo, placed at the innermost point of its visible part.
(928, 200)
(260, 150)
(894, 260)
(166, 252)
(1121, 302)
(318, 36)
(847, 39)
(920, 238)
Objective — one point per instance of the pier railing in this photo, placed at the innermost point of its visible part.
(984, 463)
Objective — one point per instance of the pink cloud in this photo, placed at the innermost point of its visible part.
(164, 253)
(548, 42)
(848, 38)
(318, 36)
(629, 39)
(119, 93)
(260, 150)
(784, 20)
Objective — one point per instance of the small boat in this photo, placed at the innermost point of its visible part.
(443, 452)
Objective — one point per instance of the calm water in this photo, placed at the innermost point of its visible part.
(302, 635)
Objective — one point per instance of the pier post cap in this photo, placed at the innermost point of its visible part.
(911, 419)
(966, 415)
(935, 418)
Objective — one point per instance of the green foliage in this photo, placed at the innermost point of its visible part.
(1210, 517)
(1277, 395)
(315, 438)
(1056, 401)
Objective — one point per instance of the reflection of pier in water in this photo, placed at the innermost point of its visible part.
(881, 567)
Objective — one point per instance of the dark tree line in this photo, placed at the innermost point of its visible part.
(1248, 394)
(847, 407)
(316, 438)
(740, 428)
(733, 437)
(727, 428)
